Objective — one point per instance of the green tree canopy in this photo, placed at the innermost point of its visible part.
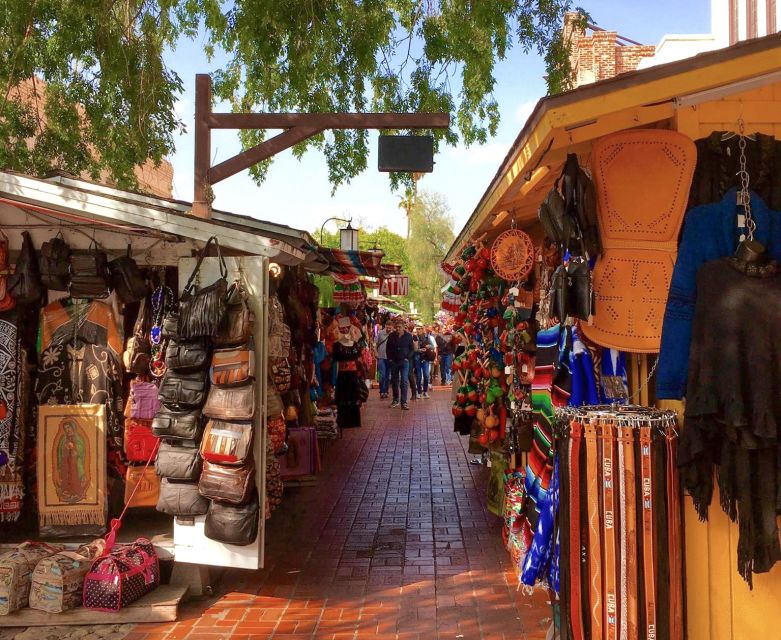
(281, 55)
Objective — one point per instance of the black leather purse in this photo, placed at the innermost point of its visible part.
(127, 279)
(89, 274)
(202, 311)
(187, 357)
(24, 285)
(170, 327)
(230, 524)
(181, 499)
(571, 291)
(184, 390)
(55, 263)
(178, 425)
(178, 461)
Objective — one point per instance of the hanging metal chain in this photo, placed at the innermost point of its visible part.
(744, 196)
(636, 395)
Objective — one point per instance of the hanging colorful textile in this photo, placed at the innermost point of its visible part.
(72, 465)
(347, 289)
(357, 263)
(12, 370)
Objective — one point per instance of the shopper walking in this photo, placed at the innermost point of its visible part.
(412, 369)
(399, 354)
(383, 366)
(445, 349)
(424, 355)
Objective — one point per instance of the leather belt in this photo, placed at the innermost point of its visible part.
(628, 569)
(594, 542)
(649, 562)
(673, 536)
(609, 533)
(576, 596)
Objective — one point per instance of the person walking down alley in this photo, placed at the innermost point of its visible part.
(399, 352)
(425, 354)
(383, 365)
(445, 349)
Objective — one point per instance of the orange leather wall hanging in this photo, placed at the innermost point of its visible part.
(642, 178)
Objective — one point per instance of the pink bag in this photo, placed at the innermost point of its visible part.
(144, 403)
(122, 575)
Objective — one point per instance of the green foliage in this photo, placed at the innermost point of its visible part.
(431, 234)
(283, 55)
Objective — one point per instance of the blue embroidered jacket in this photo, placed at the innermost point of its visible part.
(710, 232)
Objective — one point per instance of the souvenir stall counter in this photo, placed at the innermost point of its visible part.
(653, 212)
(134, 391)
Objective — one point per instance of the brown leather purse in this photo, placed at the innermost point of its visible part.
(231, 403)
(232, 367)
(148, 491)
(239, 320)
(233, 485)
(227, 442)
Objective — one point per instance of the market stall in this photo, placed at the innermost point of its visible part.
(624, 189)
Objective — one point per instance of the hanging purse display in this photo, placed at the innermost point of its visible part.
(89, 274)
(202, 311)
(55, 263)
(231, 403)
(143, 402)
(184, 390)
(148, 491)
(233, 485)
(178, 461)
(187, 357)
(239, 320)
(24, 286)
(138, 351)
(127, 279)
(227, 443)
(177, 425)
(232, 367)
(281, 374)
(229, 524)
(181, 499)
(140, 442)
(6, 301)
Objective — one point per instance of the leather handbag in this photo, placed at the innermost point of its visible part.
(170, 327)
(122, 576)
(233, 485)
(24, 286)
(138, 350)
(239, 322)
(181, 499)
(89, 274)
(232, 367)
(177, 425)
(55, 263)
(227, 443)
(6, 301)
(127, 279)
(148, 491)
(231, 403)
(187, 357)
(178, 461)
(144, 402)
(140, 442)
(281, 374)
(230, 524)
(184, 390)
(202, 311)
(571, 291)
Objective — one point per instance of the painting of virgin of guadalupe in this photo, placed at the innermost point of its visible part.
(72, 465)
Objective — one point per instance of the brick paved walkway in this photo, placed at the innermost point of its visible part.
(393, 542)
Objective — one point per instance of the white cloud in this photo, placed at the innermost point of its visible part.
(524, 110)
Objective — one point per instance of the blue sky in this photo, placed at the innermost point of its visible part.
(297, 193)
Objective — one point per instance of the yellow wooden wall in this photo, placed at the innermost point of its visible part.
(719, 605)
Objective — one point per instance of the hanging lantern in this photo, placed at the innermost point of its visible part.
(348, 238)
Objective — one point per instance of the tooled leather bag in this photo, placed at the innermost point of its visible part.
(138, 351)
(233, 485)
(184, 390)
(227, 443)
(142, 486)
(178, 461)
(239, 320)
(230, 524)
(181, 499)
(127, 279)
(54, 263)
(232, 367)
(187, 357)
(202, 311)
(231, 403)
(177, 425)
(139, 440)
(89, 274)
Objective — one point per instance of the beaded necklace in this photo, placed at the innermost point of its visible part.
(162, 300)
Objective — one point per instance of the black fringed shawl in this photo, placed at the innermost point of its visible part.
(733, 407)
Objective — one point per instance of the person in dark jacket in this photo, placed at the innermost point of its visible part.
(399, 352)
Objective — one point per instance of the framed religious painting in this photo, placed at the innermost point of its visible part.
(71, 465)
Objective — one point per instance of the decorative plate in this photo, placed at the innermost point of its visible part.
(512, 255)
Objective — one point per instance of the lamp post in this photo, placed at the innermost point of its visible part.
(348, 236)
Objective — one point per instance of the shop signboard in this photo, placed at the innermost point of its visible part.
(397, 285)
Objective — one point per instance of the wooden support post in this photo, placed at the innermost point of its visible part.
(203, 146)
